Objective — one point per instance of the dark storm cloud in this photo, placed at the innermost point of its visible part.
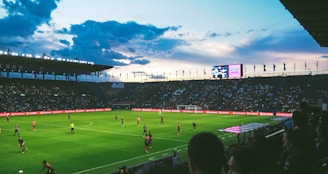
(24, 16)
(91, 38)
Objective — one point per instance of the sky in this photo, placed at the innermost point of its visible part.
(163, 37)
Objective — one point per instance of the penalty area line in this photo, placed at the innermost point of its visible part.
(115, 163)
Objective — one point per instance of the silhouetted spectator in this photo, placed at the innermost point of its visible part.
(244, 160)
(206, 154)
(299, 158)
(322, 140)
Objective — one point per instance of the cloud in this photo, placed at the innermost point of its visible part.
(109, 42)
(26, 28)
(25, 16)
(65, 42)
(290, 41)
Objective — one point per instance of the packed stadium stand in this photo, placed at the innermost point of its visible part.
(252, 94)
(270, 94)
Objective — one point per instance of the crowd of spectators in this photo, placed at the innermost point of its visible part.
(269, 94)
(19, 95)
(251, 94)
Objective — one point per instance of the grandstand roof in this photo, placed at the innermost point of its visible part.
(40, 65)
(312, 15)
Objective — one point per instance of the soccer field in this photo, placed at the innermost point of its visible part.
(100, 144)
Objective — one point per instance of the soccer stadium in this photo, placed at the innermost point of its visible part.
(52, 120)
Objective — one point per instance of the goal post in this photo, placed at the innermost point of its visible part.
(121, 107)
(188, 107)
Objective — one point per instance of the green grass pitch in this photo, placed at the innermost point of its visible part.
(100, 144)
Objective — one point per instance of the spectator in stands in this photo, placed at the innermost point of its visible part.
(299, 120)
(322, 140)
(298, 158)
(123, 170)
(175, 157)
(267, 155)
(244, 160)
(206, 154)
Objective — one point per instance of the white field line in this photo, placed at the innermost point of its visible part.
(142, 156)
(118, 133)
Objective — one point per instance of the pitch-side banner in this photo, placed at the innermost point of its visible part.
(4, 114)
(286, 114)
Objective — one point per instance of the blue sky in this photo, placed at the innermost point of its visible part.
(158, 36)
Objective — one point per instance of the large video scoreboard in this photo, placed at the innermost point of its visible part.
(227, 71)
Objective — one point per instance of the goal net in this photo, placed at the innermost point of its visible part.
(188, 107)
(121, 107)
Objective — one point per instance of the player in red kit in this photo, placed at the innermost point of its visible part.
(147, 140)
(122, 121)
(138, 120)
(47, 165)
(179, 128)
(33, 125)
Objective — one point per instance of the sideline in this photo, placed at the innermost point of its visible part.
(106, 165)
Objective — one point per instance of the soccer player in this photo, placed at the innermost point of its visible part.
(147, 143)
(138, 120)
(122, 121)
(162, 121)
(21, 144)
(116, 117)
(72, 127)
(47, 165)
(194, 125)
(34, 125)
(69, 116)
(144, 130)
(7, 118)
(150, 139)
(16, 130)
(179, 128)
